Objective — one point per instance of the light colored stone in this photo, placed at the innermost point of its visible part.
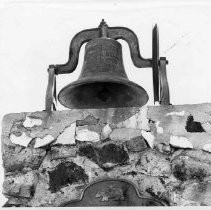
(180, 142)
(40, 142)
(159, 129)
(182, 113)
(148, 137)
(84, 134)
(67, 136)
(207, 147)
(196, 139)
(124, 134)
(207, 127)
(106, 131)
(137, 121)
(30, 122)
(109, 165)
(22, 140)
(157, 103)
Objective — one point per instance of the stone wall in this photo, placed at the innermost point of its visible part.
(164, 150)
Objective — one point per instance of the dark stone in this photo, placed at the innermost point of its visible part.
(89, 120)
(89, 151)
(137, 144)
(109, 153)
(132, 173)
(183, 171)
(66, 173)
(105, 140)
(180, 172)
(161, 180)
(193, 126)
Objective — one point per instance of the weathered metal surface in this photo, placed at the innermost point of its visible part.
(50, 98)
(164, 87)
(103, 82)
(155, 62)
(113, 33)
(112, 192)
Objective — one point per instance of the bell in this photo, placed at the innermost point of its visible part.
(103, 82)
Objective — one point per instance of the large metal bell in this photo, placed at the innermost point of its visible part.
(103, 82)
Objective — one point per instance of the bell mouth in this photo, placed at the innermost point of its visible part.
(100, 94)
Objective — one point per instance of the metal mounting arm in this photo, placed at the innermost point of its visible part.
(103, 31)
(158, 65)
(160, 82)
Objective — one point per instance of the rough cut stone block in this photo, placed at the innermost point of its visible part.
(124, 134)
(14, 160)
(22, 185)
(153, 186)
(106, 131)
(67, 136)
(58, 152)
(106, 156)
(41, 142)
(187, 168)
(49, 158)
(180, 142)
(136, 145)
(66, 173)
(84, 134)
(22, 139)
(153, 163)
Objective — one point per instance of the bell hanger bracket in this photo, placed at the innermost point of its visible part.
(158, 64)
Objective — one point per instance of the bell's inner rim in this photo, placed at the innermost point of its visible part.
(89, 94)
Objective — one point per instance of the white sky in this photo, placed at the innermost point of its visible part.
(34, 34)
